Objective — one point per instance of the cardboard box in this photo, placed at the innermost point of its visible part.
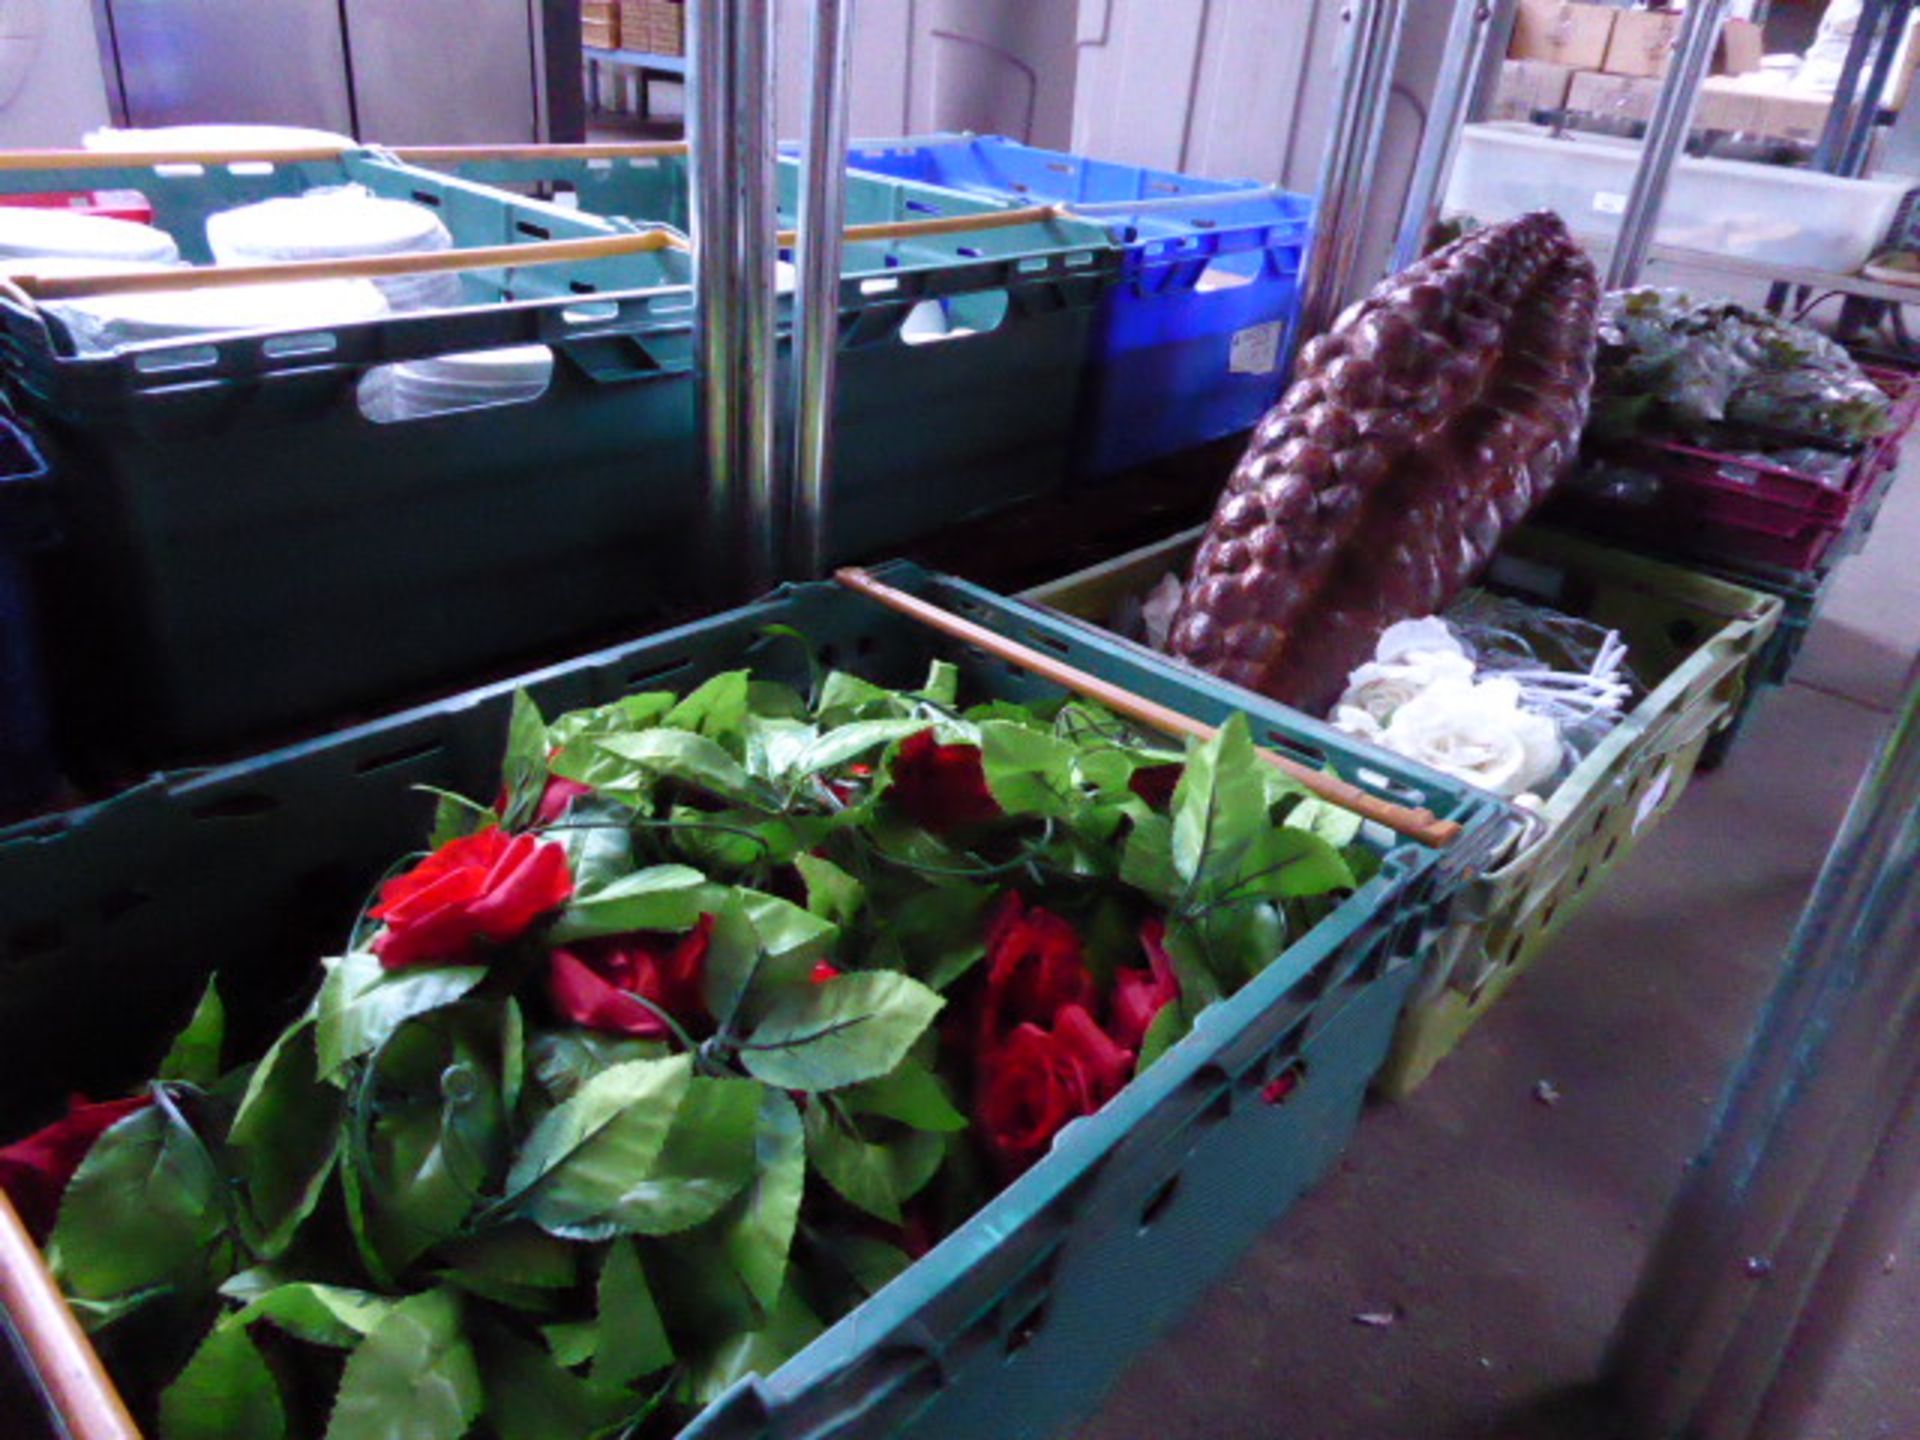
(1529, 85)
(1642, 41)
(1740, 50)
(1624, 97)
(605, 12)
(1725, 105)
(1794, 117)
(1572, 35)
(599, 34)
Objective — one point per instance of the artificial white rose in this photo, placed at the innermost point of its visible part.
(1158, 610)
(1429, 635)
(1381, 687)
(1477, 732)
(1352, 720)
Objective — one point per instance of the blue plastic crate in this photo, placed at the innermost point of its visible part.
(1016, 1322)
(27, 772)
(1187, 346)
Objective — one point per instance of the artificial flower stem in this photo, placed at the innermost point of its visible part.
(77, 1384)
(1415, 823)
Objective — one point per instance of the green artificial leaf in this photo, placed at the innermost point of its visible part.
(832, 893)
(760, 1236)
(96, 1315)
(226, 1392)
(771, 700)
(1186, 948)
(285, 1138)
(846, 698)
(789, 1329)
(520, 1254)
(455, 817)
(1334, 824)
(564, 1060)
(1219, 807)
(912, 1094)
(871, 1264)
(631, 712)
(633, 1338)
(716, 709)
(1168, 1029)
(1028, 770)
(361, 1004)
(144, 1209)
(194, 1056)
(523, 770)
(853, 1028)
(1146, 861)
(775, 743)
(573, 1342)
(937, 935)
(593, 1145)
(1284, 863)
(598, 843)
(942, 685)
(733, 957)
(788, 932)
(330, 1315)
(413, 1378)
(878, 1178)
(707, 1159)
(734, 840)
(684, 757)
(850, 741)
(660, 897)
(529, 1393)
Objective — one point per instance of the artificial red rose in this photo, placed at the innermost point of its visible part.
(34, 1172)
(593, 982)
(557, 797)
(1155, 784)
(487, 886)
(941, 787)
(1140, 995)
(823, 972)
(1035, 965)
(847, 789)
(1040, 1079)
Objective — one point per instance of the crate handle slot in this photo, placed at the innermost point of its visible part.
(404, 755)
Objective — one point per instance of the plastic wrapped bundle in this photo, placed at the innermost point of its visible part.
(107, 322)
(226, 139)
(339, 223)
(34, 233)
(468, 380)
(1432, 417)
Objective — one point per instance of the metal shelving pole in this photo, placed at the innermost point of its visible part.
(730, 140)
(1666, 135)
(823, 208)
(1460, 70)
(1369, 51)
(1814, 1158)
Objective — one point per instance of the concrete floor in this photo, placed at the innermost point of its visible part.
(1506, 1234)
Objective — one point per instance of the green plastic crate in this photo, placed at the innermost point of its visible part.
(926, 434)
(247, 553)
(1013, 1325)
(1695, 640)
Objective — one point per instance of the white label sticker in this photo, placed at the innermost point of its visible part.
(1609, 202)
(1256, 349)
(1650, 801)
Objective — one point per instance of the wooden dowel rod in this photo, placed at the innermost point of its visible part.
(610, 150)
(1417, 824)
(482, 257)
(941, 225)
(62, 1357)
(147, 159)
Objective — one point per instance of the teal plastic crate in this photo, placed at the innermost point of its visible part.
(1013, 1325)
(928, 432)
(248, 553)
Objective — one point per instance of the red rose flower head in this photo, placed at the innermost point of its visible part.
(1140, 995)
(823, 972)
(34, 1172)
(555, 798)
(593, 983)
(1155, 784)
(1041, 1079)
(1035, 965)
(941, 787)
(486, 886)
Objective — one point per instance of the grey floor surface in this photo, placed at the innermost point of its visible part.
(1506, 1233)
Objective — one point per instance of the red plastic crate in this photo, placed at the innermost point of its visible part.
(1742, 511)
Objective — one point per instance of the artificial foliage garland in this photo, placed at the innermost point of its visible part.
(728, 1007)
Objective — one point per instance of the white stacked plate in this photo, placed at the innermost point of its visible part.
(339, 223)
(233, 139)
(414, 389)
(106, 322)
(25, 232)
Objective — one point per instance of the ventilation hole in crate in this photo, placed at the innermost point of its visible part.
(830, 655)
(865, 645)
(597, 312)
(533, 231)
(1283, 1086)
(1683, 632)
(123, 901)
(1050, 642)
(429, 198)
(250, 167)
(969, 252)
(1613, 848)
(236, 807)
(651, 675)
(405, 755)
(1034, 264)
(1158, 1202)
(1475, 995)
(316, 342)
(1514, 946)
(1546, 915)
(1079, 259)
(185, 357)
(179, 170)
(925, 207)
(1022, 1334)
(1580, 880)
